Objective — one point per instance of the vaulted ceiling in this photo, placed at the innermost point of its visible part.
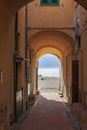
(50, 50)
(54, 39)
(82, 3)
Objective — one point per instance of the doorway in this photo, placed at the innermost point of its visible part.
(75, 80)
(48, 73)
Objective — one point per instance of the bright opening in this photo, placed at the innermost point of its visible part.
(48, 73)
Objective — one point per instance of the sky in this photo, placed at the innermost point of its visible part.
(48, 61)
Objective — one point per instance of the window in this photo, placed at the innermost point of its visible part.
(49, 2)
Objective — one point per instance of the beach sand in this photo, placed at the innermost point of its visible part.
(48, 84)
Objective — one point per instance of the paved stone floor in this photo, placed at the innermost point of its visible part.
(48, 113)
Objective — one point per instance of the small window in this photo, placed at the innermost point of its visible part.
(49, 2)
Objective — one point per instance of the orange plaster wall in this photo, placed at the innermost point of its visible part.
(52, 16)
(21, 46)
(4, 49)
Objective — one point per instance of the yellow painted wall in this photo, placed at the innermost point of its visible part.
(21, 53)
(7, 41)
(39, 17)
(5, 60)
(21, 46)
(81, 17)
(81, 22)
(4, 49)
(62, 16)
(52, 16)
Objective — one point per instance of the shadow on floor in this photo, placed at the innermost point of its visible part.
(48, 113)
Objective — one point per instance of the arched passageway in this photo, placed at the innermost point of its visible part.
(58, 43)
(56, 39)
(8, 9)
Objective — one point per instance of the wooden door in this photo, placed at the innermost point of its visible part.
(75, 80)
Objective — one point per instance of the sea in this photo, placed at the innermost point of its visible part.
(49, 72)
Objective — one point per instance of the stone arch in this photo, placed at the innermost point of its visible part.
(50, 38)
(55, 42)
(50, 50)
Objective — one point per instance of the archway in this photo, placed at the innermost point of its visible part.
(52, 38)
(48, 73)
(60, 44)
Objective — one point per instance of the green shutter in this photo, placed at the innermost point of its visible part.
(49, 2)
(54, 1)
(44, 2)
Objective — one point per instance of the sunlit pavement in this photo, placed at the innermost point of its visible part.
(48, 113)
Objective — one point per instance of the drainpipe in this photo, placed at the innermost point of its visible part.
(26, 49)
(15, 65)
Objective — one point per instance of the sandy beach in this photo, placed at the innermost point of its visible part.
(48, 84)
